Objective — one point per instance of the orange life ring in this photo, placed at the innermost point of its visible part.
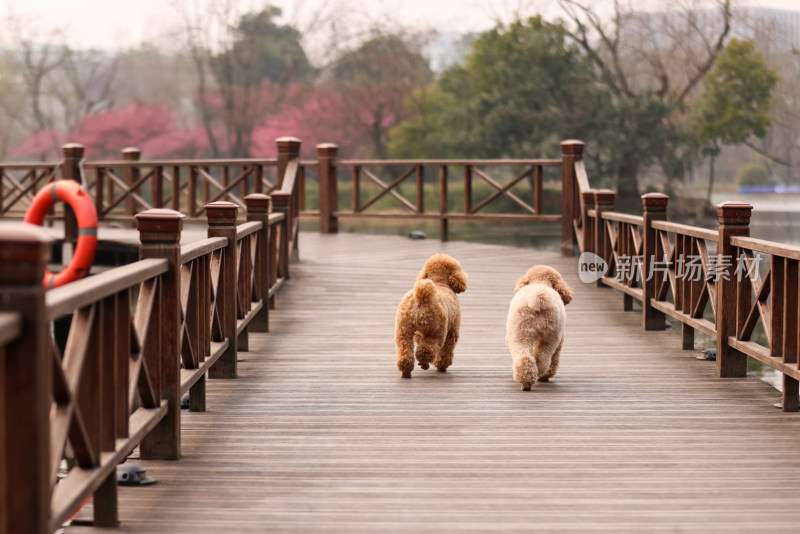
(81, 203)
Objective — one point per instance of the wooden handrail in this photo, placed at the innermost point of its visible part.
(246, 229)
(623, 218)
(290, 177)
(232, 162)
(686, 230)
(767, 247)
(449, 162)
(192, 251)
(66, 299)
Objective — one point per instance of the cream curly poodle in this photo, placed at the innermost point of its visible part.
(430, 317)
(535, 324)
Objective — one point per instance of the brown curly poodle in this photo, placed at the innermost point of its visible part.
(535, 324)
(430, 317)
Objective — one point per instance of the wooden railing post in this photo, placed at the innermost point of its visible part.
(258, 209)
(160, 237)
(288, 148)
(588, 223)
(25, 387)
(281, 204)
(603, 201)
(71, 170)
(443, 221)
(734, 220)
(328, 191)
(131, 176)
(222, 223)
(654, 206)
(571, 151)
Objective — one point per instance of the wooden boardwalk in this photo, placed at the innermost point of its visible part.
(320, 433)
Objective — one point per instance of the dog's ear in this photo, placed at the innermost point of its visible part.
(563, 289)
(523, 281)
(458, 281)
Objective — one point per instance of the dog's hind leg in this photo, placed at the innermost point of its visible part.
(418, 342)
(425, 352)
(526, 371)
(554, 360)
(444, 358)
(404, 341)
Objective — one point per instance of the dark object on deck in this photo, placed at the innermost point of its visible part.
(417, 234)
(708, 354)
(133, 475)
(185, 402)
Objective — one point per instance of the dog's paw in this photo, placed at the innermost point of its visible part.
(406, 374)
(424, 365)
(544, 379)
(526, 387)
(442, 369)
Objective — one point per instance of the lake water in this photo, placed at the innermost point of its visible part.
(776, 217)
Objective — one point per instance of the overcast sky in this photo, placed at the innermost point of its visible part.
(128, 23)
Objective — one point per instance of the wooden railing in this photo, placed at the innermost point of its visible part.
(123, 188)
(20, 182)
(386, 178)
(133, 340)
(772, 300)
(708, 280)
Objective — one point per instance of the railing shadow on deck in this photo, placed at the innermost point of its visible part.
(153, 330)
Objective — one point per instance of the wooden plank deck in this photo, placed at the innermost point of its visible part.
(320, 433)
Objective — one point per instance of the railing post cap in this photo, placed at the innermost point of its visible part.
(24, 251)
(131, 153)
(159, 220)
(327, 148)
(572, 146)
(604, 195)
(588, 194)
(287, 142)
(258, 202)
(734, 209)
(73, 150)
(655, 200)
(222, 210)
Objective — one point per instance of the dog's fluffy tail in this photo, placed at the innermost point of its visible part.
(424, 290)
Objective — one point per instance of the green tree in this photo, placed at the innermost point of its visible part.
(261, 50)
(735, 101)
(522, 89)
(650, 63)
